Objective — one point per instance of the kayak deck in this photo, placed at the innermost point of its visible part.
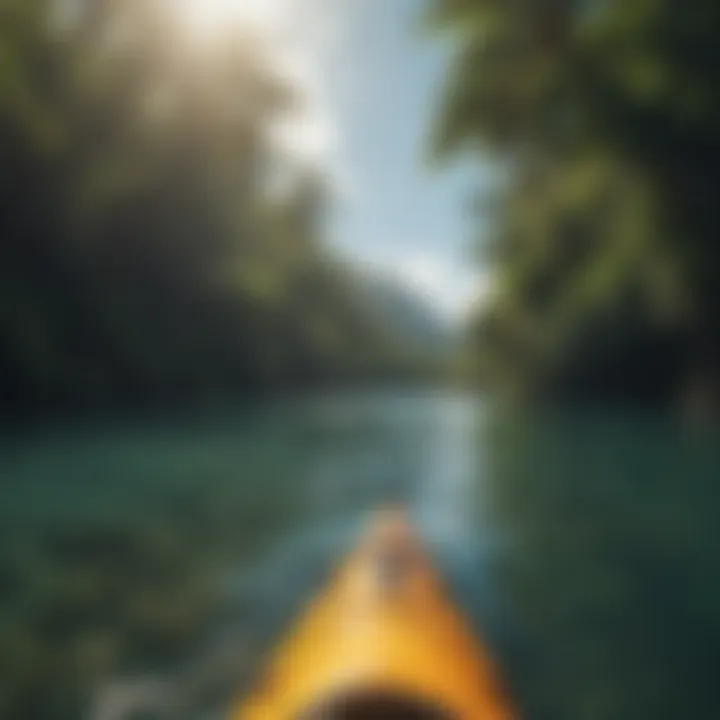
(380, 641)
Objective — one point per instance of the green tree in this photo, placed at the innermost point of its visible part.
(145, 256)
(606, 120)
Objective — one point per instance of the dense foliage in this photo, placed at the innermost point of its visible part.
(156, 244)
(604, 118)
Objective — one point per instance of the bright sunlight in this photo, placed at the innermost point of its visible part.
(305, 136)
(211, 17)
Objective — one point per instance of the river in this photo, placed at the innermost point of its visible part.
(146, 566)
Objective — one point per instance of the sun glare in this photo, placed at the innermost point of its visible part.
(306, 136)
(210, 17)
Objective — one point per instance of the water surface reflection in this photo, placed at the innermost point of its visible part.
(150, 566)
(612, 572)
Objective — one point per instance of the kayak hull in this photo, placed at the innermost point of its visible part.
(383, 631)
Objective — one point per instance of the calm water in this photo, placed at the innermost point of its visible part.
(144, 568)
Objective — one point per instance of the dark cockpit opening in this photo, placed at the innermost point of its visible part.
(375, 706)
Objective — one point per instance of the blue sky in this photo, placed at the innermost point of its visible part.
(384, 83)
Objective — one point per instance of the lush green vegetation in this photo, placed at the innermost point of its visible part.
(604, 118)
(156, 245)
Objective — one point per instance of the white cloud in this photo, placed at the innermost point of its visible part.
(452, 288)
(446, 284)
(310, 133)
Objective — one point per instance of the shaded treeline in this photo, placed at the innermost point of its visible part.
(157, 244)
(604, 119)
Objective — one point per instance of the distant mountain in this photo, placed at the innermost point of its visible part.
(408, 317)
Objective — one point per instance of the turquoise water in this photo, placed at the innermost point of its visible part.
(145, 567)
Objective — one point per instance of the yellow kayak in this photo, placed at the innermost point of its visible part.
(381, 642)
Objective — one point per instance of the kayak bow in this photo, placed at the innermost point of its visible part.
(381, 642)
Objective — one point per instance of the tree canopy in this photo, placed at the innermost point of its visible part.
(157, 244)
(605, 118)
